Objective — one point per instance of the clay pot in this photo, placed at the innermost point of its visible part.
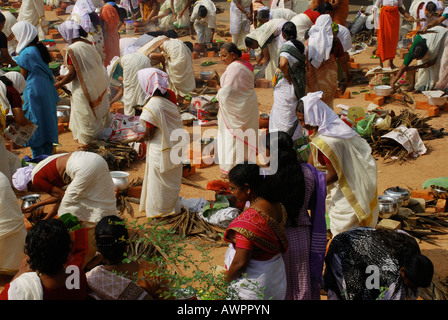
(263, 121)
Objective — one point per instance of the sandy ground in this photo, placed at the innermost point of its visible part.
(410, 174)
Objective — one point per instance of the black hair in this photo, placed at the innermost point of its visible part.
(7, 82)
(2, 17)
(111, 236)
(300, 106)
(94, 18)
(430, 6)
(324, 7)
(48, 246)
(231, 47)
(289, 172)
(189, 45)
(202, 11)
(419, 270)
(307, 34)
(42, 50)
(122, 13)
(250, 175)
(420, 49)
(83, 33)
(249, 42)
(262, 14)
(289, 31)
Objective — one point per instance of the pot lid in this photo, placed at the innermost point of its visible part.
(397, 192)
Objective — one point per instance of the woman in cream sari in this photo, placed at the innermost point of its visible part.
(89, 101)
(177, 62)
(269, 38)
(241, 16)
(238, 111)
(346, 157)
(163, 174)
(33, 11)
(181, 13)
(131, 92)
(12, 229)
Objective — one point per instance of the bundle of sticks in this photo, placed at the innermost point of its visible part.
(118, 155)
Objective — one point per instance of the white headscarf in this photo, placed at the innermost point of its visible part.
(22, 177)
(151, 79)
(25, 33)
(18, 81)
(69, 30)
(320, 41)
(317, 113)
(83, 8)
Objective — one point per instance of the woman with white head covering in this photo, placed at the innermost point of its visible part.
(10, 21)
(324, 49)
(40, 96)
(84, 14)
(89, 82)
(12, 229)
(163, 173)
(347, 159)
(33, 11)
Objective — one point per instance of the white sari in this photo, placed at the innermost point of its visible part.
(203, 26)
(238, 117)
(26, 287)
(163, 177)
(90, 195)
(33, 11)
(89, 100)
(239, 24)
(262, 35)
(303, 23)
(12, 229)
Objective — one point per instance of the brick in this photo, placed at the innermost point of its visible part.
(423, 105)
(379, 101)
(211, 54)
(441, 206)
(445, 107)
(203, 162)
(433, 111)
(370, 96)
(351, 60)
(354, 65)
(346, 95)
(134, 192)
(60, 12)
(389, 224)
(423, 194)
(398, 96)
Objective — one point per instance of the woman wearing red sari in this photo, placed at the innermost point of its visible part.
(110, 21)
(257, 236)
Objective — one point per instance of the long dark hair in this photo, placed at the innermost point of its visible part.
(111, 237)
(289, 173)
(289, 31)
(42, 50)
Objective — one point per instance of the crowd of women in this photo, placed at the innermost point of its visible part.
(278, 245)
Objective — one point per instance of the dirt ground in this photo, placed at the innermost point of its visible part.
(410, 174)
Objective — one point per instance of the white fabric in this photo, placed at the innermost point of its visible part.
(152, 79)
(263, 277)
(10, 21)
(345, 37)
(69, 30)
(12, 228)
(422, 12)
(82, 8)
(129, 5)
(320, 41)
(33, 11)
(283, 111)
(19, 82)
(303, 23)
(21, 177)
(239, 25)
(179, 66)
(237, 115)
(184, 21)
(262, 35)
(24, 32)
(90, 195)
(163, 177)
(125, 44)
(317, 113)
(211, 12)
(26, 287)
(389, 3)
(427, 78)
(282, 13)
(91, 79)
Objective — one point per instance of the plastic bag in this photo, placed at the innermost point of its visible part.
(364, 127)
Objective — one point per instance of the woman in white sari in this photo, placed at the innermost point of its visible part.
(84, 14)
(269, 38)
(238, 116)
(12, 229)
(203, 19)
(89, 82)
(346, 157)
(241, 16)
(125, 70)
(181, 13)
(33, 11)
(163, 173)
(10, 21)
(177, 62)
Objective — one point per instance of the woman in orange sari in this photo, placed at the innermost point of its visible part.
(387, 23)
(110, 21)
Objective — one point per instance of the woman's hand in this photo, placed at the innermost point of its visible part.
(31, 208)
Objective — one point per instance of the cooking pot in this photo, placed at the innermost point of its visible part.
(387, 205)
(120, 179)
(402, 195)
(383, 90)
(263, 121)
(63, 113)
(30, 199)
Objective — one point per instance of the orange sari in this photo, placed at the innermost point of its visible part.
(388, 32)
(110, 21)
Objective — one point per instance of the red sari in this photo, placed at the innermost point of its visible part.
(388, 32)
(110, 21)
